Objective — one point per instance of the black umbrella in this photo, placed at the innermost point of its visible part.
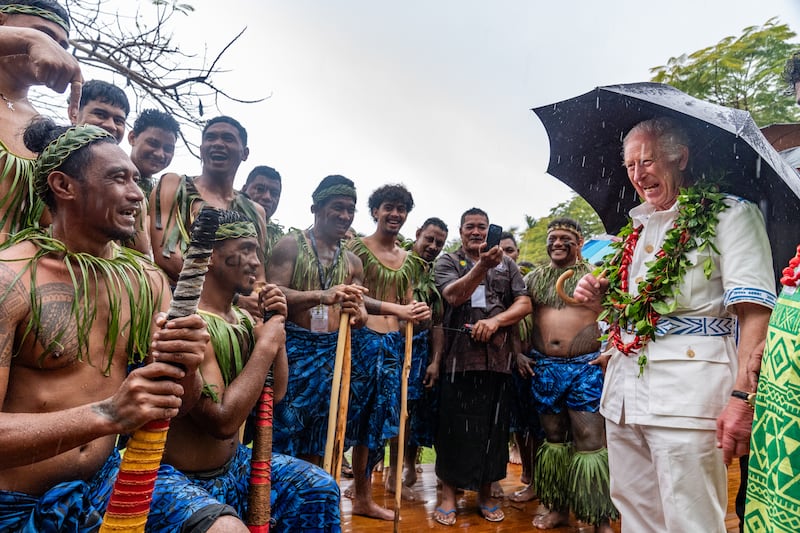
(586, 135)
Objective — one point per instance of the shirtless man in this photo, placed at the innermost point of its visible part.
(321, 279)
(388, 274)
(205, 445)
(152, 141)
(33, 44)
(222, 149)
(66, 342)
(565, 388)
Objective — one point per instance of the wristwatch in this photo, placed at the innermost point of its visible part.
(749, 397)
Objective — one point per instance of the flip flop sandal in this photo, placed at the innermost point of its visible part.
(486, 511)
(448, 519)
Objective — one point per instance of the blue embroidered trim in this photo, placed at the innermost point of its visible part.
(696, 325)
(749, 294)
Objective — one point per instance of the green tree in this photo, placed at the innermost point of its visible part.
(744, 72)
(533, 241)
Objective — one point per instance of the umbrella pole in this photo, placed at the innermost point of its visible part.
(401, 437)
(344, 403)
(344, 323)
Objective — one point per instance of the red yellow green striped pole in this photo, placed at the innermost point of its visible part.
(133, 489)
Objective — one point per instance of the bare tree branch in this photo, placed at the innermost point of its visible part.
(140, 48)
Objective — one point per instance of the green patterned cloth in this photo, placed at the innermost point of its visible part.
(385, 280)
(305, 276)
(773, 484)
(182, 213)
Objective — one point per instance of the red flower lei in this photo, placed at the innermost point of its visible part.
(615, 332)
(791, 276)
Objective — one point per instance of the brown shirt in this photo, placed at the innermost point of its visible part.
(502, 285)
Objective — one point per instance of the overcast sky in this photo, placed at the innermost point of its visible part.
(435, 94)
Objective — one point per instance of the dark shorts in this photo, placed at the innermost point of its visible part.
(566, 382)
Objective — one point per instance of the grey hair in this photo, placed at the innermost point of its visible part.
(669, 135)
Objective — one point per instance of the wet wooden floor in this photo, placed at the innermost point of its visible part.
(416, 516)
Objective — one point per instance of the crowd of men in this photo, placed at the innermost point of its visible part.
(94, 240)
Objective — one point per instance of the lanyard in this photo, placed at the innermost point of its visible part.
(324, 282)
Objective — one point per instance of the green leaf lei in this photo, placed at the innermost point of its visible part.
(694, 228)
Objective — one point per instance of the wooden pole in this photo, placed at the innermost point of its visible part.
(560, 286)
(344, 404)
(401, 437)
(333, 409)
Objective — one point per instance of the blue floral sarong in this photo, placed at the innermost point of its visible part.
(566, 382)
(300, 419)
(78, 506)
(304, 497)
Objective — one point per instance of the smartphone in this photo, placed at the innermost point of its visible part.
(493, 236)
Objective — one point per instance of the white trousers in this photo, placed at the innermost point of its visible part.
(667, 480)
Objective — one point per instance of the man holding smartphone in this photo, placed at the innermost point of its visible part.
(481, 287)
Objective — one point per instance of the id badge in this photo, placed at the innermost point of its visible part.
(319, 319)
(478, 299)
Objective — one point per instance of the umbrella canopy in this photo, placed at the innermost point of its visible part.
(586, 135)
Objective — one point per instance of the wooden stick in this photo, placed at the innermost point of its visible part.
(401, 437)
(130, 500)
(344, 403)
(333, 409)
(560, 286)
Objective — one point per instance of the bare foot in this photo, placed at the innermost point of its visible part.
(513, 455)
(605, 527)
(407, 492)
(497, 490)
(551, 520)
(370, 509)
(523, 495)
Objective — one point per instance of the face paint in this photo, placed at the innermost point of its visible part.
(567, 245)
(233, 260)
